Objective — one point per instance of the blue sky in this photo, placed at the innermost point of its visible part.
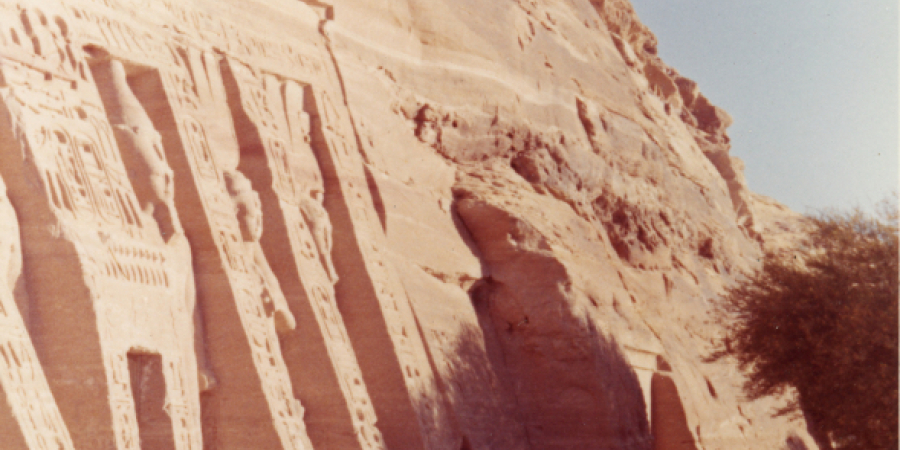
(812, 86)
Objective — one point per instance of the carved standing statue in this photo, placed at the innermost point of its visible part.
(249, 213)
(320, 225)
(153, 182)
(305, 170)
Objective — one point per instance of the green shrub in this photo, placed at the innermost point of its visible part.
(822, 320)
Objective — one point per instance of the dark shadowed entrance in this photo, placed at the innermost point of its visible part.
(148, 387)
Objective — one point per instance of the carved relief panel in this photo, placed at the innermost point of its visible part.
(127, 275)
(220, 189)
(95, 266)
(276, 150)
(202, 147)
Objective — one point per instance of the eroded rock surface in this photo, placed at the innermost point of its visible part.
(416, 224)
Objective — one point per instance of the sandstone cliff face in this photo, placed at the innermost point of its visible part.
(366, 224)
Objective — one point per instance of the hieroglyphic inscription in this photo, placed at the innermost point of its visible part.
(340, 143)
(67, 141)
(75, 155)
(183, 91)
(28, 394)
(85, 184)
(34, 38)
(275, 109)
(64, 125)
(73, 149)
(127, 435)
(285, 55)
(183, 71)
(182, 413)
(249, 285)
(361, 409)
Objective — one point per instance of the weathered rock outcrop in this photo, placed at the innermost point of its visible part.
(359, 224)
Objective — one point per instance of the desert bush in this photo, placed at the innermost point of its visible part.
(821, 320)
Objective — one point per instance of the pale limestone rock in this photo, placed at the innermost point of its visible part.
(419, 224)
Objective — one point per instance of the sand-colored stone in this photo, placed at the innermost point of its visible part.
(29, 416)
(348, 224)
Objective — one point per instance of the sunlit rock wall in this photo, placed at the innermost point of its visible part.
(365, 225)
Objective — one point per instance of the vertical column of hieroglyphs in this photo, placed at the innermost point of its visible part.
(383, 330)
(372, 301)
(370, 297)
(29, 418)
(248, 400)
(102, 282)
(273, 132)
(141, 148)
(242, 300)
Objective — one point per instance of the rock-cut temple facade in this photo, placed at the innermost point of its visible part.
(363, 225)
